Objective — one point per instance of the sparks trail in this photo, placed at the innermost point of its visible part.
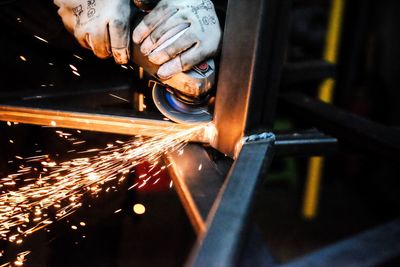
(19, 261)
(28, 208)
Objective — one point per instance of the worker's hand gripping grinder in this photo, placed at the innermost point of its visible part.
(163, 42)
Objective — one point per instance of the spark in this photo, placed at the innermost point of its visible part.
(40, 38)
(60, 187)
(120, 98)
(133, 186)
(73, 67)
(23, 58)
(19, 261)
(200, 167)
(76, 73)
(78, 57)
(78, 142)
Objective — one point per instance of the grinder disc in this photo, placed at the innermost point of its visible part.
(179, 110)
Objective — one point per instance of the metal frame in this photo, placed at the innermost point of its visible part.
(218, 199)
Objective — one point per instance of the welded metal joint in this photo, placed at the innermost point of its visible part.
(259, 137)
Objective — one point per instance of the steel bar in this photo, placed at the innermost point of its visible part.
(250, 69)
(298, 72)
(305, 143)
(375, 247)
(352, 129)
(226, 224)
(197, 180)
(94, 122)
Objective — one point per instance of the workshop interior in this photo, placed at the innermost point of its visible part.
(289, 156)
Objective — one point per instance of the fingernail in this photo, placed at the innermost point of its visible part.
(121, 56)
(159, 57)
(139, 32)
(147, 46)
(170, 68)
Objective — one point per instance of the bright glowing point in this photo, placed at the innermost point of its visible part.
(139, 209)
(22, 58)
(53, 123)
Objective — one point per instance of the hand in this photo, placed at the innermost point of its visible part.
(200, 40)
(100, 25)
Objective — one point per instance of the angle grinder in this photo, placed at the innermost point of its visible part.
(184, 97)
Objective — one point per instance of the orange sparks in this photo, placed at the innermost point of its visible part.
(61, 186)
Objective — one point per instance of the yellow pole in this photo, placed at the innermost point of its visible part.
(325, 93)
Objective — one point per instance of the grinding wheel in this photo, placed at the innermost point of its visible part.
(178, 110)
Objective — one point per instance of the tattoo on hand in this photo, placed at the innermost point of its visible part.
(77, 11)
(91, 4)
(205, 5)
(207, 20)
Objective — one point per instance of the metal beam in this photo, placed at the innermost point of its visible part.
(254, 42)
(305, 143)
(227, 222)
(374, 247)
(197, 180)
(359, 132)
(95, 122)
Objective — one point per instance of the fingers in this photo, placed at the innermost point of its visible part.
(173, 33)
(151, 21)
(99, 42)
(119, 38)
(182, 62)
(160, 56)
(57, 3)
